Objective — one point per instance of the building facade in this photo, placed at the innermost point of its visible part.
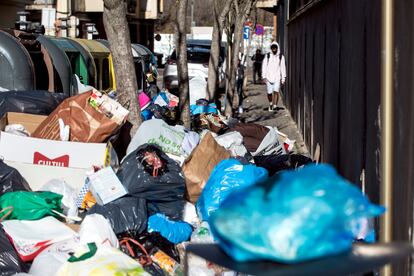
(141, 15)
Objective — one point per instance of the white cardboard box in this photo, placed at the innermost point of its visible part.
(52, 153)
(40, 160)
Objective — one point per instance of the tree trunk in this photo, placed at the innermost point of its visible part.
(116, 28)
(232, 95)
(243, 9)
(229, 32)
(213, 65)
(182, 67)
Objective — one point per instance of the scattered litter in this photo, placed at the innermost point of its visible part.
(69, 207)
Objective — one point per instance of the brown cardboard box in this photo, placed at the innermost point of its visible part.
(29, 121)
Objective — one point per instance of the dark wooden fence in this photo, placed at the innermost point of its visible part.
(334, 56)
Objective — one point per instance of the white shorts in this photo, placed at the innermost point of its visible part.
(273, 87)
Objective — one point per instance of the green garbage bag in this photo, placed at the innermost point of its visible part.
(30, 205)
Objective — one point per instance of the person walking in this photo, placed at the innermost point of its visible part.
(257, 66)
(239, 84)
(274, 74)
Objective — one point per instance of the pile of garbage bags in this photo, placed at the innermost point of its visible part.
(70, 205)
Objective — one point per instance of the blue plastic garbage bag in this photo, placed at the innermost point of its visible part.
(302, 215)
(174, 231)
(228, 176)
(199, 109)
(146, 114)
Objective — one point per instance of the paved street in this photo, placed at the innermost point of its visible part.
(256, 111)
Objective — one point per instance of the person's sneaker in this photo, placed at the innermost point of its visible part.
(270, 108)
(275, 107)
(240, 109)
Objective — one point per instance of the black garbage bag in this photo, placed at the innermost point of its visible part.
(126, 215)
(11, 180)
(167, 208)
(277, 163)
(154, 239)
(149, 173)
(167, 114)
(32, 102)
(10, 263)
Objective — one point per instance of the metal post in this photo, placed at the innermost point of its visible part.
(387, 101)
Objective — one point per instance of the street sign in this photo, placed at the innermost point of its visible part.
(246, 32)
(259, 29)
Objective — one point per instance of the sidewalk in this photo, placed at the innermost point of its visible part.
(256, 111)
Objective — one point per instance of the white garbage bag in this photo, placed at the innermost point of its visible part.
(95, 228)
(52, 258)
(59, 186)
(100, 260)
(198, 89)
(156, 131)
(270, 144)
(30, 237)
(233, 142)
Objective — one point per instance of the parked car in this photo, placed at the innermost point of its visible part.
(198, 56)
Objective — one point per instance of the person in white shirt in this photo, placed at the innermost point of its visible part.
(274, 74)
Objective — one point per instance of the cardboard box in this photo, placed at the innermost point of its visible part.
(40, 160)
(29, 121)
(38, 175)
(52, 153)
